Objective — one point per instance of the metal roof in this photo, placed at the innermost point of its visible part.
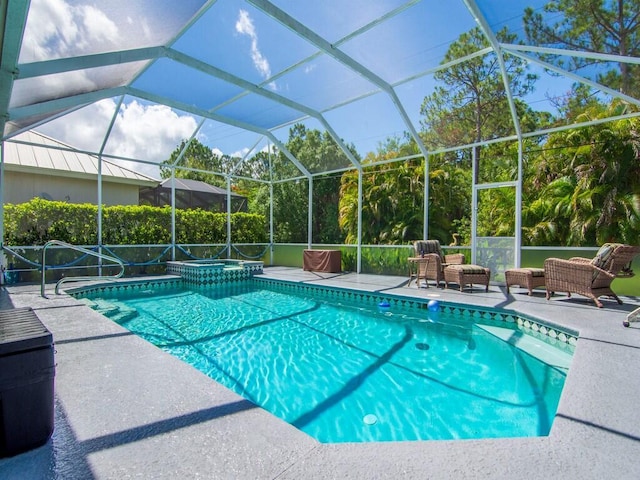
(196, 186)
(32, 152)
(239, 73)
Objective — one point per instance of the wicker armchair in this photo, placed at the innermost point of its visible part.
(435, 261)
(590, 277)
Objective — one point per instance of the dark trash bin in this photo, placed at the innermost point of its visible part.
(27, 371)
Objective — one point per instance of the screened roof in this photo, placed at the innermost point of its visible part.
(131, 79)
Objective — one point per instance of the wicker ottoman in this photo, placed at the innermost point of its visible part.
(529, 278)
(467, 274)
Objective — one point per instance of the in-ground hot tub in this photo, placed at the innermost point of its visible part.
(214, 271)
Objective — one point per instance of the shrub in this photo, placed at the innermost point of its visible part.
(38, 221)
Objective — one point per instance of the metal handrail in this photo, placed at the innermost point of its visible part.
(78, 278)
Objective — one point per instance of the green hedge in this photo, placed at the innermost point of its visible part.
(38, 221)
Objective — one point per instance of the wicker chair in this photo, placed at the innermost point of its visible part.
(435, 261)
(590, 277)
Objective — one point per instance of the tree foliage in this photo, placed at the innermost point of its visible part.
(470, 103)
(318, 152)
(392, 209)
(198, 162)
(587, 184)
(597, 26)
(580, 186)
(392, 202)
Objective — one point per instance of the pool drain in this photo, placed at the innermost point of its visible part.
(370, 419)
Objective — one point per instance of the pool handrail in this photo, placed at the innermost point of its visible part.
(77, 278)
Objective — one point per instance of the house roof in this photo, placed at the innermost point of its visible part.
(196, 186)
(33, 152)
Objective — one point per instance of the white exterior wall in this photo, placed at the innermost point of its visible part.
(21, 187)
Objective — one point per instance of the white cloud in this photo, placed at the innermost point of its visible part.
(146, 29)
(240, 153)
(244, 26)
(50, 25)
(148, 132)
(217, 151)
(58, 29)
(142, 132)
(83, 129)
(97, 28)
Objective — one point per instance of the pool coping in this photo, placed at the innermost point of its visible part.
(525, 322)
(192, 426)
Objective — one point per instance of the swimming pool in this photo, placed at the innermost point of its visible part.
(343, 369)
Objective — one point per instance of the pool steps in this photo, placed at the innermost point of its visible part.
(116, 311)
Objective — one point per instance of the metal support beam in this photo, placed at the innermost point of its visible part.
(186, 147)
(359, 245)
(54, 106)
(100, 202)
(61, 65)
(337, 54)
(605, 57)
(173, 213)
(578, 78)
(310, 214)
(425, 202)
(1, 200)
(228, 216)
(270, 206)
(474, 206)
(483, 24)
(518, 225)
(219, 118)
(496, 46)
(258, 90)
(13, 15)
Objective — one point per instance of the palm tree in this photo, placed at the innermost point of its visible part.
(593, 176)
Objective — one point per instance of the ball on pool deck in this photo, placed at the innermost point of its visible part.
(433, 306)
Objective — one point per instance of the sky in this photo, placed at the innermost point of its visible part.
(238, 38)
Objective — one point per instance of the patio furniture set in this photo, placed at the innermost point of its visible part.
(583, 276)
(430, 263)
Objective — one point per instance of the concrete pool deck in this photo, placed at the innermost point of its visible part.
(125, 409)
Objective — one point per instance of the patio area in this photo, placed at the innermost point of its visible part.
(125, 409)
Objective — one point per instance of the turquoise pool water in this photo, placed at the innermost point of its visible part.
(347, 373)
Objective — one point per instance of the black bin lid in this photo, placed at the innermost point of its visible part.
(21, 329)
